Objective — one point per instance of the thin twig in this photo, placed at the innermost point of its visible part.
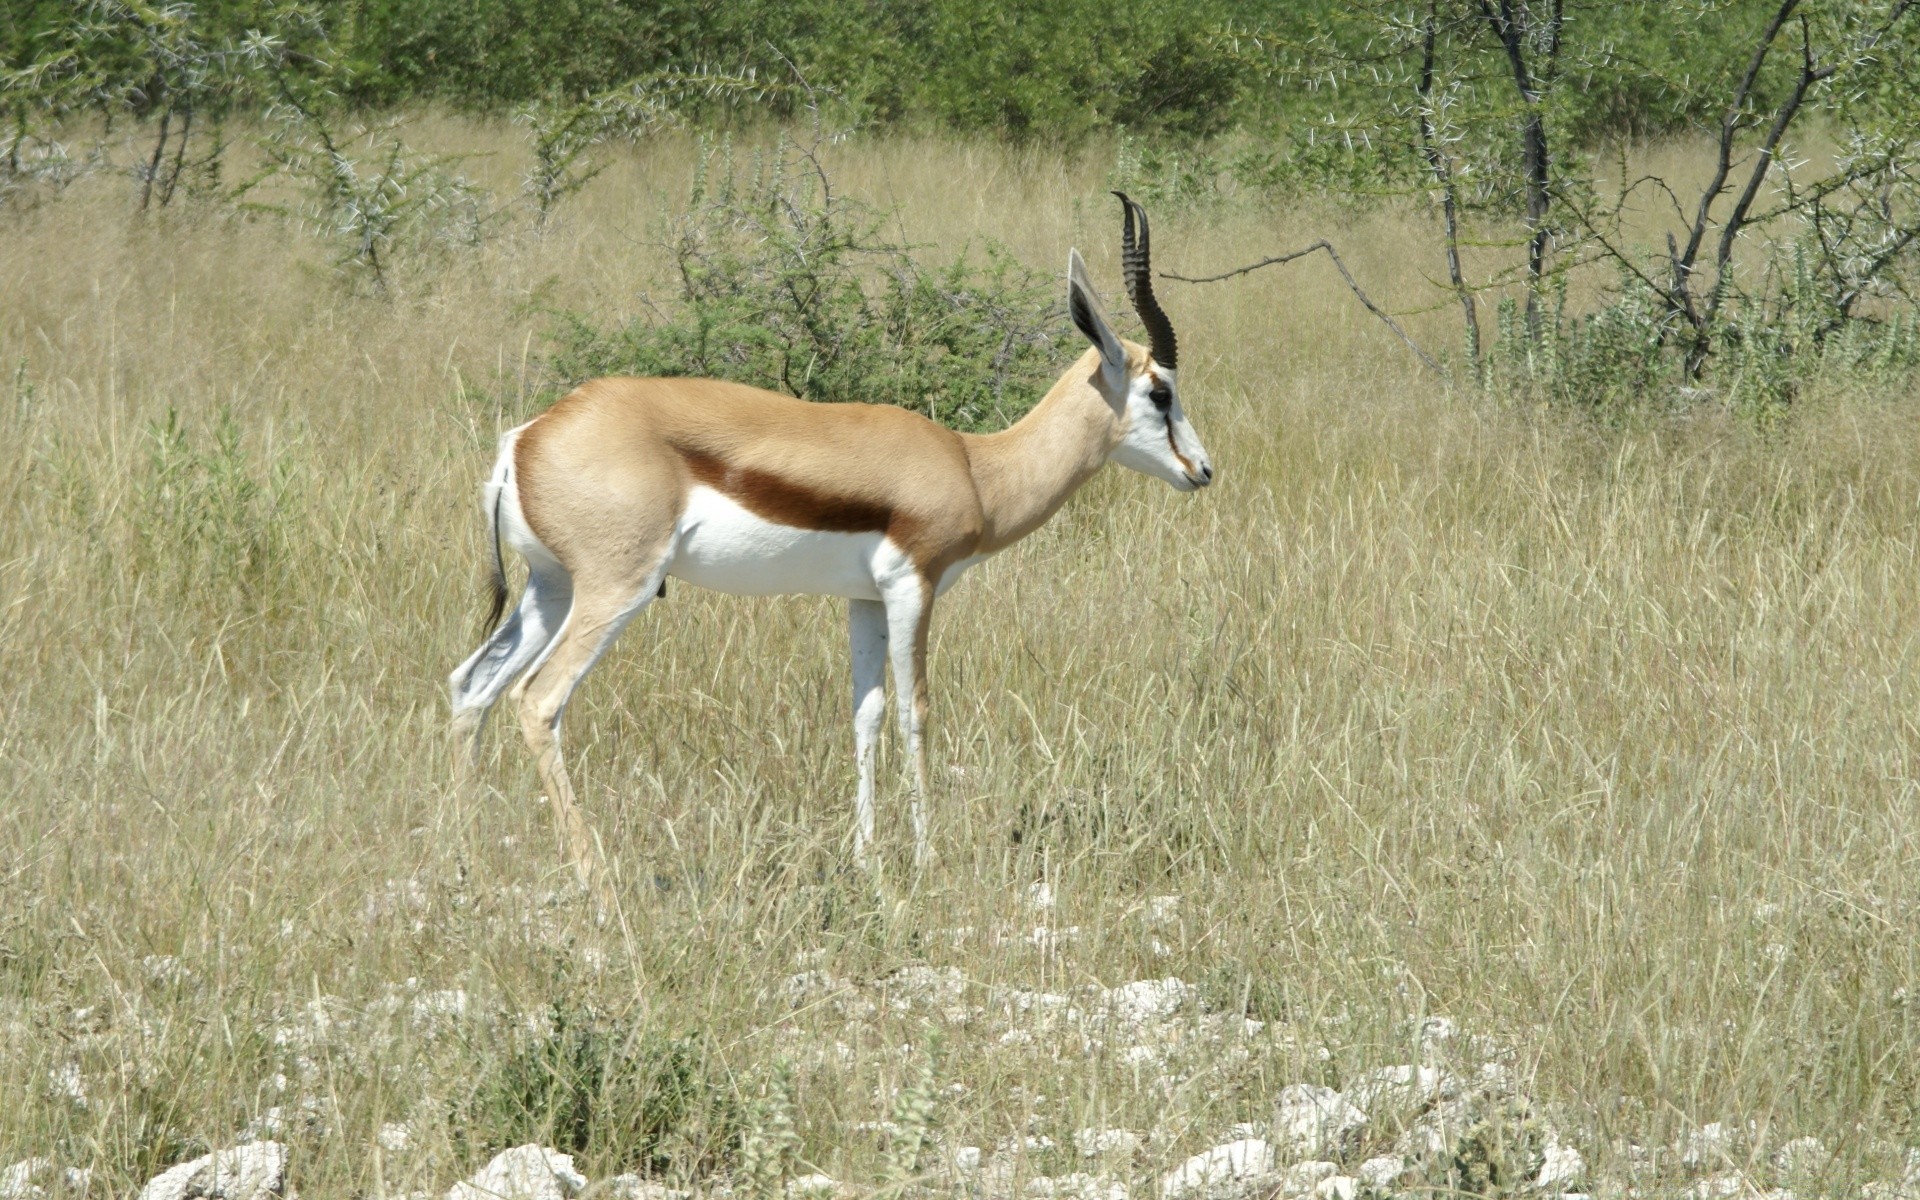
(1323, 244)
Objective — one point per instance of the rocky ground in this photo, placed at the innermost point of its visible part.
(1455, 1119)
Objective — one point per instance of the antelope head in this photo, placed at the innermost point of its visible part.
(1151, 432)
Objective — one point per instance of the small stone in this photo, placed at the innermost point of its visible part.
(1381, 1173)
(1560, 1166)
(812, 1187)
(1400, 1087)
(1224, 1171)
(1717, 1187)
(1436, 1032)
(1710, 1145)
(632, 1187)
(1437, 1130)
(1146, 1001)
(1106, 1143)
(394, 1137)
(1301, 1179)
(966, 1159)
(1313, 1122)
(527, 1172)
(254, 1171)
(1337, 1187)
(1801, 1156)
(16, 1182)
(1076, 1186)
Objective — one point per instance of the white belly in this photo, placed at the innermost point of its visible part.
(724, 547)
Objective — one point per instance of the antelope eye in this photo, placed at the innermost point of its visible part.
(1162, 397)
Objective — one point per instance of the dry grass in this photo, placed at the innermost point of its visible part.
(1601, 746)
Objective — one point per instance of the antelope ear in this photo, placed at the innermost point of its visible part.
(1083, 305)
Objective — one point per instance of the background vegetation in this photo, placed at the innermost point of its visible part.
(1561, 689)
(1596, 741)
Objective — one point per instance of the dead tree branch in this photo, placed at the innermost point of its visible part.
(1323, 244)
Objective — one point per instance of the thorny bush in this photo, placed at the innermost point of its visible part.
(786, 284)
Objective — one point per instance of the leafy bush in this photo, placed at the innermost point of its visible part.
(787, 285)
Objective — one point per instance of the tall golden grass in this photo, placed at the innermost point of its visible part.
(1600, 743)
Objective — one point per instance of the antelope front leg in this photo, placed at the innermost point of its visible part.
(909, 615)
(867, 635)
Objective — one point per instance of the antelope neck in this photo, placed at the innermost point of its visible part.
(1024, 473)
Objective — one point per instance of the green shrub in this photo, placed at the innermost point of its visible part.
(629, 1097)
(787, 285)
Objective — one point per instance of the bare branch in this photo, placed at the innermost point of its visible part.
(1323, 244)
(1729, 126)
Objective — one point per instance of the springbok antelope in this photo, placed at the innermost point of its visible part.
(624, 482)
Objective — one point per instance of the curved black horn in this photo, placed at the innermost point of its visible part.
(1136, 266)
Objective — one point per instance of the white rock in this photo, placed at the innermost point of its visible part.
(1040, 896)
(1144, 1055)
(165, 968)
(1801, 1156)
(1560, 1166)
(632, 1187)
(1707, 1146)
(1312, 1122)
(1048, 939)
(527, 1172)
(1076, 1186)
(1436, 1032)
(394, 1137)
(1222, 1171)
(1337, 1187)
(966, 1159)
(1145, 1001)
(1379, 1174)
(1400, 1087)
(66, 1082)
(436, 1011)
(1103, 1143)
(1163, 909)
(1301, 1179)
(803, 986)
(1718, 1187)
(1032, 1143)
(251, 1172)
(1438, 1129)
(936, 987)
(16, 1182)
(812, 1187)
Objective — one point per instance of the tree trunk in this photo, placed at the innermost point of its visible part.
(1443, 177)
(153, 164)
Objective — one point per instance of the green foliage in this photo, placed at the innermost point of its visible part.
(787, 285)
(1325, 73)
(915, 1112)
(564, 134)
(371, 203)
(769, 1137)
(586, 1083)
(1627, 353)
(1499, 1151)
